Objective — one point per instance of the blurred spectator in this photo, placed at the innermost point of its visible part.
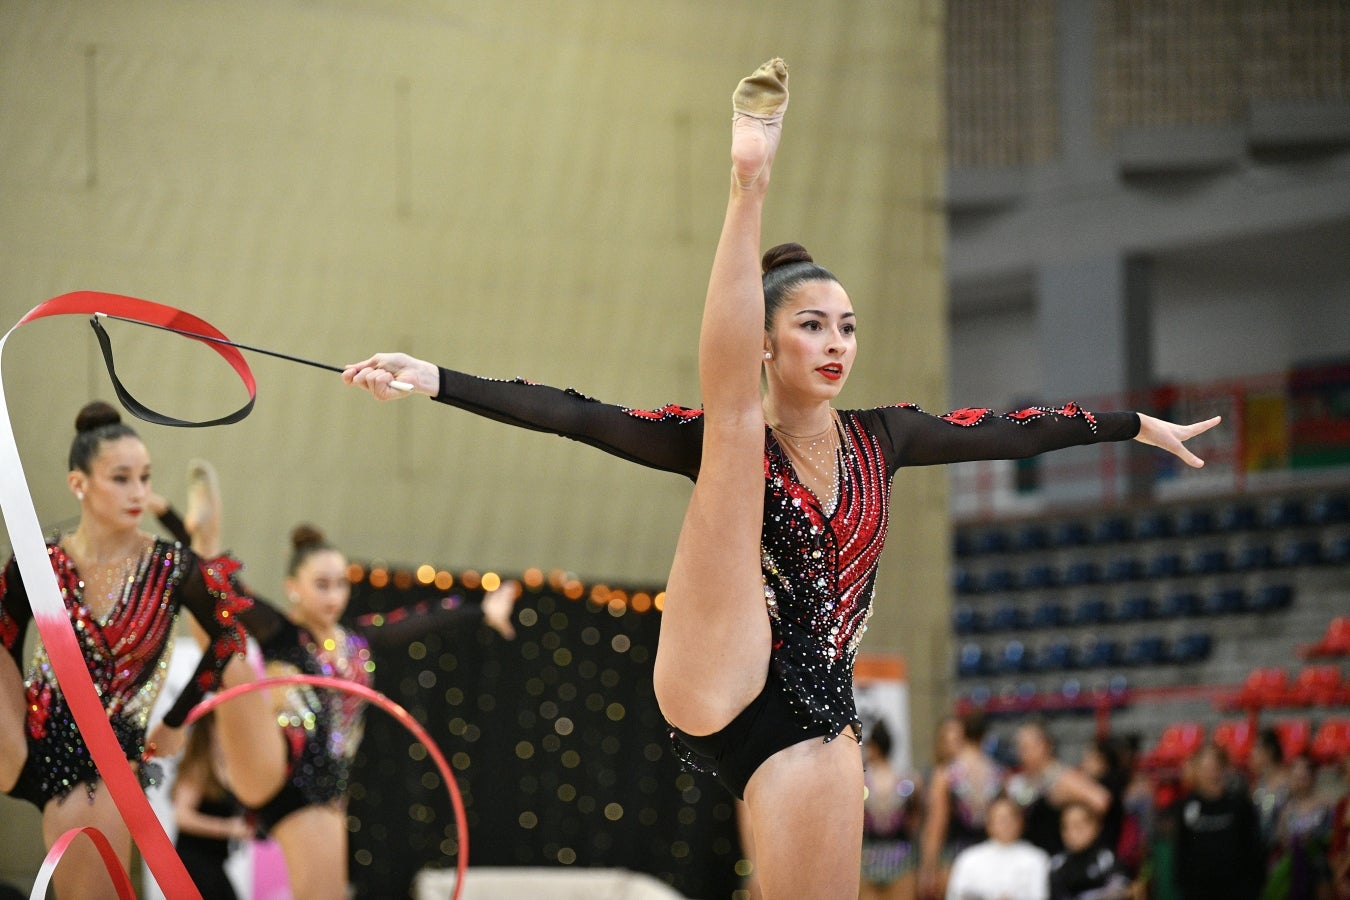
(959, 796)
(891, 813)
(1102, 763)
(1340, 838)
(1303, 839)
(1003, 867)
(1218, 851)
(1044, 786)
(947, 743)
(1270, 786)
(1087, 869)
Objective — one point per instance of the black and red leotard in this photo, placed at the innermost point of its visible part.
(819, 570)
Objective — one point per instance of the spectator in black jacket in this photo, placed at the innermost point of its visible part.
(1219, 852)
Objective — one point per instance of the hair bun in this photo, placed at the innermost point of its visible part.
(306, 536)
(784, 255)
(96, 414)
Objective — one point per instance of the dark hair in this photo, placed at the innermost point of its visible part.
(787, 267)
(306, 540)
(96, 423)
(881, 737)
(1212, 749)
(1269, 740)
(196, 763)
(974, 726)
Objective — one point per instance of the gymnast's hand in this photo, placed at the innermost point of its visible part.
(498, 605)
(381, 370)
(1170, 437)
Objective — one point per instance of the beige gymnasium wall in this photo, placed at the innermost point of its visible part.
(510, 188)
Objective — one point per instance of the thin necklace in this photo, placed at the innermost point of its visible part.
(815, 458)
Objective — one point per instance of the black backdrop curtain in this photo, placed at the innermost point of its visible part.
(558, 747)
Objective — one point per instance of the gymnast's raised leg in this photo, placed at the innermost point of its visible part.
(805, 801)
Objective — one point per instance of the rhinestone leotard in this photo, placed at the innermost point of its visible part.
(819, 571)
(127, 653)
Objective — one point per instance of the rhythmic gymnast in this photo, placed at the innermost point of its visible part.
(303, 807)
(123, 588)
(773, 575)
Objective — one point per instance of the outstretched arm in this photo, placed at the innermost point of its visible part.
(669, 439)
(920, 439)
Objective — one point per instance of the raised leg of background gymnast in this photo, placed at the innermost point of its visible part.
(251, 742)
(82, 874)
(314, 842)
(715, 636)
(13, 722)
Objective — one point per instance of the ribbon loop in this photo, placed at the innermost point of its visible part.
(139, 409)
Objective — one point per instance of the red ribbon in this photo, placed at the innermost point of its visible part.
(403, 717)
(110, 861)
(53, 621)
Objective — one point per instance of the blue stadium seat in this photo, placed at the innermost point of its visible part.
(966, 620)
(964, 581)
(1211, 561)
(1238, 517)
(970, 662)
(1050, 614)
(1136, 608)
(1097, 653)
(1229, 601)
(1194, 523)
(1304, 551)
(1000, 579)
(1040, 576)
(1180, 605)
(1071, 534)
(1272, 598)
(1165, 565)
(963, 544)
(1056, 656)
(1124, 568)
(1006, 617)
(1329, 509)
(1082, 572)
(1153, 526)
(1092, 611)
(992, 540)
(1015, 658)
(1149, 650)
(1032, 537)
(1113, 530)
(1337, 551)
(980, 695)
(1192, 648)
(1287, 512)
(1254, 556)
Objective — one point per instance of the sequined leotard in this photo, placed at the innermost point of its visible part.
(819, 570)
(323, 728)
(127, 653)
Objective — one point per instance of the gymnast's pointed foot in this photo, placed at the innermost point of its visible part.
(203, 509)
(758, 105)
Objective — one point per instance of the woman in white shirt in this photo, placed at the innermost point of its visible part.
(1004, 867)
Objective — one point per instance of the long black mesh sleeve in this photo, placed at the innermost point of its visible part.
(398, 628)
(920, 439)
(670, 439)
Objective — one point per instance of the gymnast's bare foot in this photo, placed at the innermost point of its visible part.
(758, 105)
(203, 510)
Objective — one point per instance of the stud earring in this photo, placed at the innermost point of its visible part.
(294, 598)
(768, 354)
(79, 495)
